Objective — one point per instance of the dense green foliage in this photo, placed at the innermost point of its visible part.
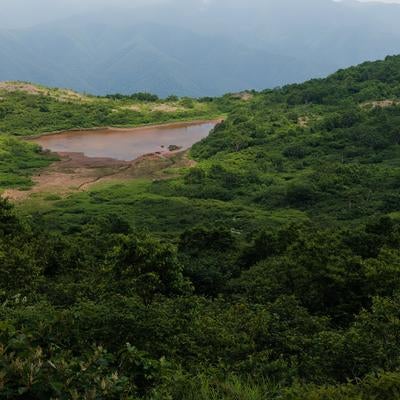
(19, 160)
(120, 314)
(141, 96)
(271, 270)
(327, 147)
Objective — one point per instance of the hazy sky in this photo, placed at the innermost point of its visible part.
(384, 1)
(20, 13)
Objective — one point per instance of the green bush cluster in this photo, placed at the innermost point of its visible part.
(18, 161)
(113, 313)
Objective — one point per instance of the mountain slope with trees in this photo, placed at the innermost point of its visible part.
(270, 270)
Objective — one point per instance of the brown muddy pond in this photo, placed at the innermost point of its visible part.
(129, 143)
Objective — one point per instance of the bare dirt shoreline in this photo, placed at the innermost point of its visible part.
(75, 172)
(176, 124)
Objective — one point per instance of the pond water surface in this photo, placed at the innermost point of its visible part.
(126, 144)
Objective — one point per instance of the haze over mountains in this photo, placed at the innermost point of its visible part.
(198, 48)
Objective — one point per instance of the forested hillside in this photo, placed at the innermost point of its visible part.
(270, 270)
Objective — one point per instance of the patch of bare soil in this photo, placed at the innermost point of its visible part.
(58, 94)
(167, 108)
(245, 96)
(69, 95)
(133, 107)
(303, 121)
(21, 87)
(381, 103)
(76, 172)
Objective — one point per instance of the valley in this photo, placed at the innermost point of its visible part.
(254, 258)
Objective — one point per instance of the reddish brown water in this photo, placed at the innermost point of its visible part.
(127, 144)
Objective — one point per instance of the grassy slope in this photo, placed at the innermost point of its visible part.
(27, 109)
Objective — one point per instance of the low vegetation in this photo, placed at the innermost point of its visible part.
(18, 161)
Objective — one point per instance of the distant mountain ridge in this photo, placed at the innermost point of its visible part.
(197, 49)
(144, 61)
